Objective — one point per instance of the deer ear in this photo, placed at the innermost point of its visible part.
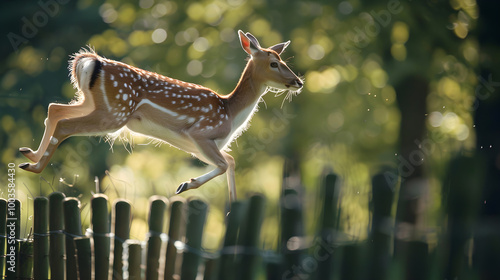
(279, 48)
(247, 43)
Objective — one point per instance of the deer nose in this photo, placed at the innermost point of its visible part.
(299, 83)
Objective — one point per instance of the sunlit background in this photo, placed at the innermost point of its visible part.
(353, 56)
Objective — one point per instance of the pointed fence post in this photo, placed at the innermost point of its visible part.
(121, 226)
(462, 194)
(157, 208)
(3, 234)
(84, 257)
(352, 260)
(382, 225)
(73, 228)
(250, 237)
(132, 256)
(210, 269)
(40, 238)
(230, 259)
(175, 232)
(100, 228)
(291, 226)
(25, 262)
(57, 240)
(197, 214)
(327, 228)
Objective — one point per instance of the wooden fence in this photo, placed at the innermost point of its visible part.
(58, 249)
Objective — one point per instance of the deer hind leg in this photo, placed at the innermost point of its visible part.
(209, 152)
(56, 112)
(92, 124)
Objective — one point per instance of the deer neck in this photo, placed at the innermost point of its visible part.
(247, 93)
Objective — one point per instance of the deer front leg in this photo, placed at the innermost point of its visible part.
(209, 152)
(56, 112)
(231, 182)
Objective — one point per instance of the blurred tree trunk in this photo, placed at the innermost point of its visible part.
(427, 30)
(487, 123)
(411, 95)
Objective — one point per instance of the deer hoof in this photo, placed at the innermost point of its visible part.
(25, 150)
(24, 165)
(181, 188)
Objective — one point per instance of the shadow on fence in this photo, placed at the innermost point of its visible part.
(58, 249)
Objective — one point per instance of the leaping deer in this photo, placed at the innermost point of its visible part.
(112, 95)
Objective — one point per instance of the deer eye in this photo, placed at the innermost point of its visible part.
(274, 64)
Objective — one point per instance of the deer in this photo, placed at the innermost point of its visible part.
(112, 95)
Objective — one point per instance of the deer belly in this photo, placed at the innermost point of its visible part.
(151, 129)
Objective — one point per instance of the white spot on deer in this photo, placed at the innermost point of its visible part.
(117, 96)
(121, 75)
(112, 77)
(125, 97)
(53, 140)
(115, 84)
